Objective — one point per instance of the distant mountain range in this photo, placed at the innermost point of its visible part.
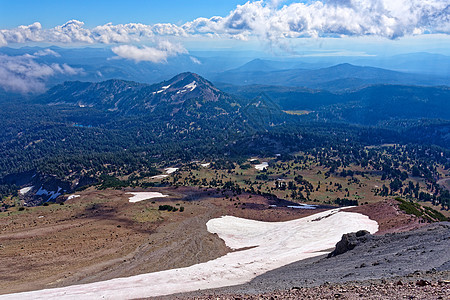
(188, 95)
(241, 68)
(335, 78)
(77, 129)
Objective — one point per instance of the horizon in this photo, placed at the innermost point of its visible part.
(220, 36)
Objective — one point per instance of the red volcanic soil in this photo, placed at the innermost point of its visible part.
(389, 217)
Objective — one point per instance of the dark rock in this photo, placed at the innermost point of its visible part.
(422, 282)
(349, 241)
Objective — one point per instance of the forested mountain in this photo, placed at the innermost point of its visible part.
(77, 132)
(178, 95)
(368, 105)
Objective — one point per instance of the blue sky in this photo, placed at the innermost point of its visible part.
(51, 13)
(171, 27)
(155, 31)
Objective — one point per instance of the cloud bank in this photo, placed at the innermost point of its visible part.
(24, 75)
(157, 54)
(267, 20)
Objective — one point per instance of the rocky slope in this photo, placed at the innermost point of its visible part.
(421, 254)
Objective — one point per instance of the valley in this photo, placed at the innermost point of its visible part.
(118, 180)
(245, 149)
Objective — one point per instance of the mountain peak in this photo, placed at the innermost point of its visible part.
(186, 85)
(188, 77)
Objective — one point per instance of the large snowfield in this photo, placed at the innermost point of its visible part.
(266, 246)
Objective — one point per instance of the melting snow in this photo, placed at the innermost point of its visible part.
(273, 245)
(159, 176)
(261, 166)
(25, 190)
(53, 195)
(141, 196)
(171, 170)
(191, 86)
(303, 206)
(163, 88)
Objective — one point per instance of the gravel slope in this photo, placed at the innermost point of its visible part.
(387, 256)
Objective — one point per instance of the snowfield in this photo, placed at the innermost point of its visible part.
(159, 176)
(273, 245)
(171, 170)
(141, 196)
(261, 166)
(25, 190)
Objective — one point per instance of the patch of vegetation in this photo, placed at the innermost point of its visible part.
(170, 208)
(419, 211)
(346, 202)
(410, 208)
(245, 166)
(112, 183)
(435, 214)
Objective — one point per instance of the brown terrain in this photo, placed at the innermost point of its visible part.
(101, 236)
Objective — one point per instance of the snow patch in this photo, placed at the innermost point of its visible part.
(53, 195)
(25, 190)
(303, 206)
(273, 245)
(73, 197)
(159, 176)
(141, 196)
(171, 170)
(191, 86)
(41, 192)
(206, 165)
(163, 88)
(262, 166)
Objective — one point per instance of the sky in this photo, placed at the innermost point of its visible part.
(51, 13)
(155, 30)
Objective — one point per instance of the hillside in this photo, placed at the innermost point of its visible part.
(368, 105)
(78, 132)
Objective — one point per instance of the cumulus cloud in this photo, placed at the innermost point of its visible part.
(385, 18)
(158, 54)
(74, 32)
(269, 20)
(24, 75)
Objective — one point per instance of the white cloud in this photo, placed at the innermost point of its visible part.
(24, 75)
(157, 54)
(384, 18)
(267, 20)
(46, 52)
(74, 32)
(195, 60)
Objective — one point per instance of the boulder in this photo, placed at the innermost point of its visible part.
(349, 241)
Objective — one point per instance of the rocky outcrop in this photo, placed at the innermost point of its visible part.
(349, 241)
